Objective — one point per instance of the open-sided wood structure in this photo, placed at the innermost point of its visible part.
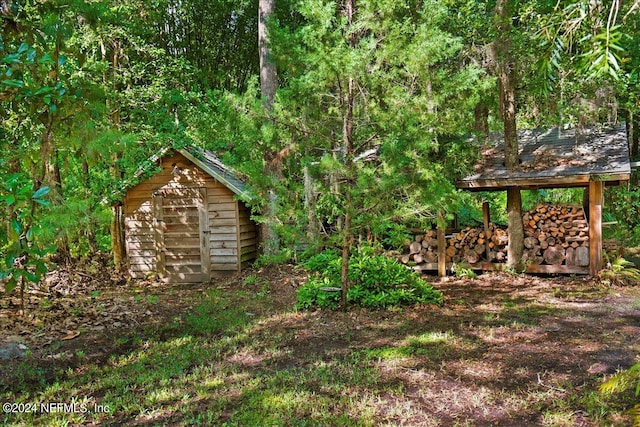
(186, 223)
(557, 158)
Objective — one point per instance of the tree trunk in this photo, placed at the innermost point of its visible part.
(348, 147)
(49, 174)
(347, 137)
(268, 87)
(118, 248)
(268, 72)
(515, 249)
(117, 229)
(309, 205)
(481, 119)
(505, 69)
(118, 238)
(346, 252)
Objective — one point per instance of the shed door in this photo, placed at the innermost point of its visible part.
(181, 235)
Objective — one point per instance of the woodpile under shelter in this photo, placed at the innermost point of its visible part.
(560, 158)
(187, 223)
(562, 239)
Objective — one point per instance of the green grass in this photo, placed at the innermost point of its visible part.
(197, 377)
(432, 345)
(223, 364)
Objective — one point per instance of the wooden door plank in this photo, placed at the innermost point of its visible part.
(158, 232)
(203, 212)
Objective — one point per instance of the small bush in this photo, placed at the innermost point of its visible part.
(376, 282)
(329, 260)
(282, 257)
(316, 292)
(621, 272)
(462, 271)
(625, 381)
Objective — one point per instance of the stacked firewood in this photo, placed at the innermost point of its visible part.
(553, 235)
(556, 235)
(470, 245)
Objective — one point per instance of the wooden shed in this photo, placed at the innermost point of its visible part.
(187, 223)
(559, 158)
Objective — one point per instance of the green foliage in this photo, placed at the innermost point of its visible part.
(621, 272)
(576, 34)
(327, 261)
(282, 257)
(318, 292)
(390, 234)
(109, 84)
(251, 279)
(627, 380)
(623, 205)
(377, 282)
(23, 254)
(461, 270)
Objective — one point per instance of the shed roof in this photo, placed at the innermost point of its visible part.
(211, 164)
(553, 158)
(208, 162)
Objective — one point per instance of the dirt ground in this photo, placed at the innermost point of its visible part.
(513, 333)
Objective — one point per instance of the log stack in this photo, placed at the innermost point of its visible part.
(470, 245)
(554, 235)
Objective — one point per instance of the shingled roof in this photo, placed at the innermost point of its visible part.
(554, 158)
(211, 164)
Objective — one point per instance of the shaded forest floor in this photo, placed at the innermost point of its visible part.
(503, 350)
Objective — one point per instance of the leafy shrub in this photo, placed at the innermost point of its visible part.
(281, 257)
(621, 272)
(329, 260)
(461, 270)
(392, 235)
(624, 381)
(377, 282)
(318, 292)
(23, 253)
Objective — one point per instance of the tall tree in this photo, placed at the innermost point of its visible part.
(506, 74)
(370, 103)
(268, 71)
(268, 88)
(348, 101)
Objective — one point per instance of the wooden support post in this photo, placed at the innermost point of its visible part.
(486, 216)
(442, 261)
(595, 226)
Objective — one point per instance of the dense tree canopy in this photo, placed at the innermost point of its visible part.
(370, 124)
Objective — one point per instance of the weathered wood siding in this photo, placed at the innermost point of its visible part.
(248, 236)
(182, 225)
(223, 241)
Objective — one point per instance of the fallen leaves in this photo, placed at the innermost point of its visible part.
(71, 335)
(86, 303)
